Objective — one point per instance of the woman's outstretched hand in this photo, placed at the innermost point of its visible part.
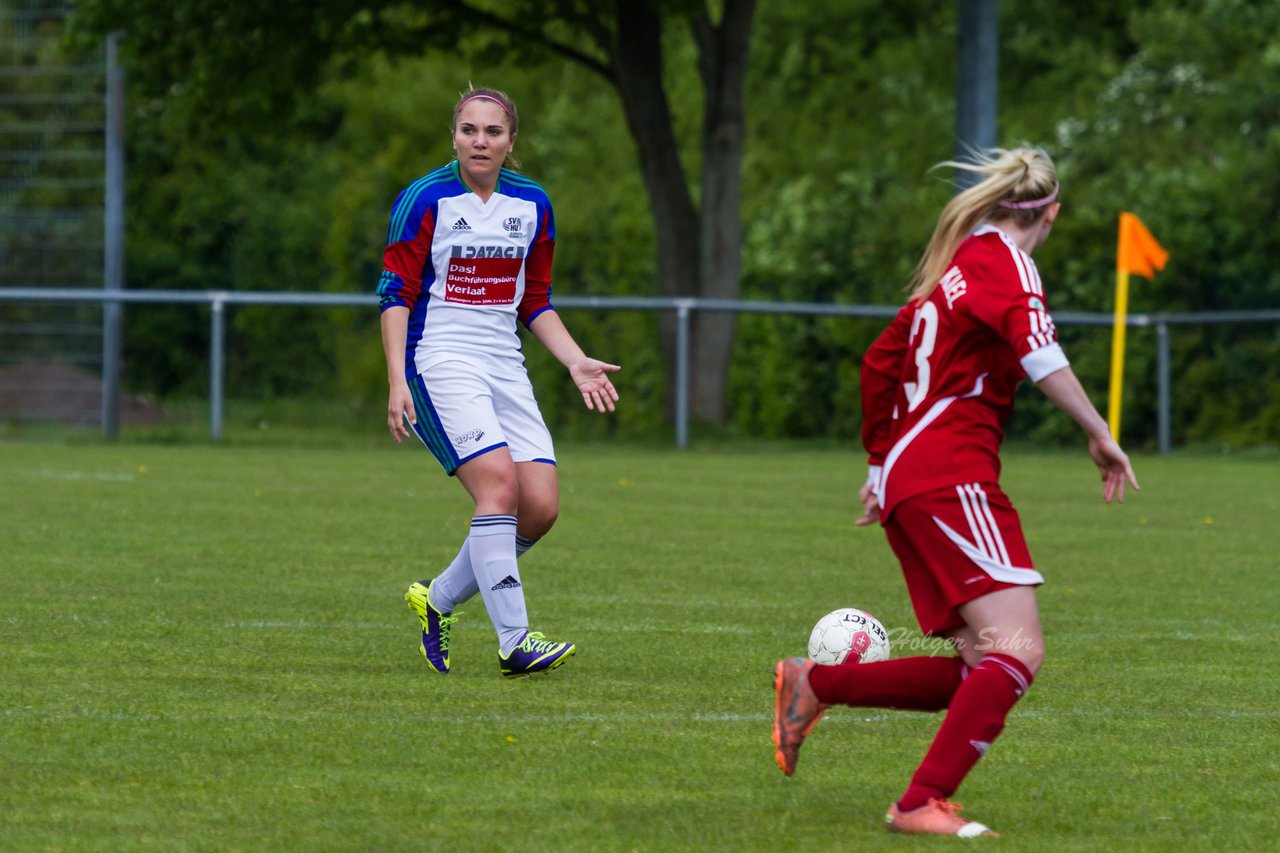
(1114, 466)
(592, 378)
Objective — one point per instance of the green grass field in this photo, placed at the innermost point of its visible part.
(205, 648)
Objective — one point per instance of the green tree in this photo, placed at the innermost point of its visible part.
(1166, 109)
(236, 60)
(1163, 108)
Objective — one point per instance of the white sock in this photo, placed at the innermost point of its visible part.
(456, 584)
(493, 560)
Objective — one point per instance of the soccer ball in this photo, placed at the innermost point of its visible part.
(846, 630)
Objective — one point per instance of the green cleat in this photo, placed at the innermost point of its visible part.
(535, 653)
(435, 627)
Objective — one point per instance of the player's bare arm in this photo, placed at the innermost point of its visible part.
(590, 375)
(1066, 392)
(395, 324)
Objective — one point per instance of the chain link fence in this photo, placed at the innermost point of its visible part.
(52, 172)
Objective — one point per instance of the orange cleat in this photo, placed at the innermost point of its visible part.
(796, 711)
(936, 817)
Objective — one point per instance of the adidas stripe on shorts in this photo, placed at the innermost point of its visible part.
(464, 412)
(957, 544)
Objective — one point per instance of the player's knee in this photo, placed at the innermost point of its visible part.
(500, 497)
(1030, 654)
(1027, 650)
(538, 516)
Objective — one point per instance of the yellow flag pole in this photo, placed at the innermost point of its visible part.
(1117, 352)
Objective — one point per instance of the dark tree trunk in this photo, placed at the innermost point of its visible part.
(723, 62)
(637, 55)
(699, 251)
(638, 65)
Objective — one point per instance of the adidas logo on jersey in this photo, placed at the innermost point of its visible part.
(508, 582)
(461, 225)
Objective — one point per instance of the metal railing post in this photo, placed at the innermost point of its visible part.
(113, 241)
(1164, 417)
(217, 369)
(684, 308)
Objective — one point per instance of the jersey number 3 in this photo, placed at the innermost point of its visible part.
(924, 326)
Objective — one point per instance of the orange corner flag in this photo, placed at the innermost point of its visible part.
(1139, 252)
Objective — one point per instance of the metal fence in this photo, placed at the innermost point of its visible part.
(61, 191)
(683, 308)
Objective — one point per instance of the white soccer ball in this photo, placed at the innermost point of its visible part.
(845, 630)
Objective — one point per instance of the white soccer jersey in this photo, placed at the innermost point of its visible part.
(468, 270)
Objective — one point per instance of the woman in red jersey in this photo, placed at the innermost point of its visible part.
(937, 387)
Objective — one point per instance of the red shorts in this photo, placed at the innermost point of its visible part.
(955, 545)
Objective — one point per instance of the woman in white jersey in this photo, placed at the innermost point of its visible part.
(937, 388)
(468, 257)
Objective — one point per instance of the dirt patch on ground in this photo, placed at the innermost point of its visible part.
(64, 394)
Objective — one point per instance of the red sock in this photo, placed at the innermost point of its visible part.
(975, 718)
(921, 683)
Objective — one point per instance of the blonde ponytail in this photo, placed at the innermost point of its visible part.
(1017, 184)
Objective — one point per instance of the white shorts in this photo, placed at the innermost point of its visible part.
(464, 412)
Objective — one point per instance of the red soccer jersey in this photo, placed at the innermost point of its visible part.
(938, 384)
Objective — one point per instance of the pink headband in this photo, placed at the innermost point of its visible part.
(471, 98)
(1035, 202)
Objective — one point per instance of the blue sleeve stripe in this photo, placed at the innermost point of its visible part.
(389, 287)
(408, 200)
(518, 179)
(389, 283)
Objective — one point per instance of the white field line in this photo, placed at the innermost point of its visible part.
(49, 474)
(851, 717)
(295, 624)
(268, 625)
(919, 644)
(840, 717)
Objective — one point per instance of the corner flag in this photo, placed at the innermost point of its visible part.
(1140, 254)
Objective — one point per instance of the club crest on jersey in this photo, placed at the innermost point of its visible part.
(514, 227)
